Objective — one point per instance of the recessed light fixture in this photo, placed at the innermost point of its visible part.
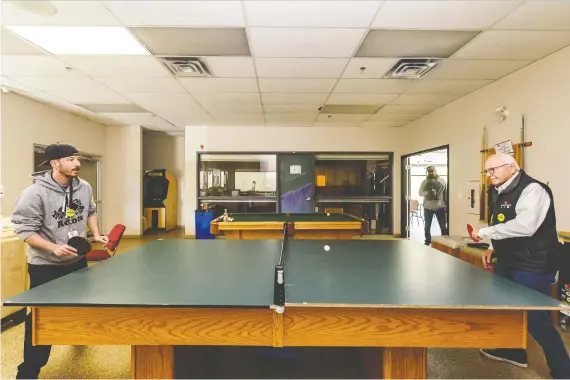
(40, 8)
(86, 40)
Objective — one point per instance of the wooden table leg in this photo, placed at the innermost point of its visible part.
(152, 362)
(404, 363)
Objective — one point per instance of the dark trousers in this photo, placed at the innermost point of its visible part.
(540, 323)
(35, 357)
(440, 215)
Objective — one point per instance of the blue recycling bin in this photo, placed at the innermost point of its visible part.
(203, 219)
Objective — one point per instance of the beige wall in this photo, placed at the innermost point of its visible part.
(24, 123)
(166, 152)
(541, 91)
(123, 191)
(287, 139)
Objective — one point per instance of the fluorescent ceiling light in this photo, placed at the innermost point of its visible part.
(81, 39)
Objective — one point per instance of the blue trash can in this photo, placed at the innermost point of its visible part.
(203, 220)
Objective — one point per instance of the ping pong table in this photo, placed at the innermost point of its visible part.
(398, 296)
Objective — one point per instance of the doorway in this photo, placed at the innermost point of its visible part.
(90, 172)
(296, 182)
(415, 174)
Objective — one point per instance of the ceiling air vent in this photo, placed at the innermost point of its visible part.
(186, 66)
(411, 68)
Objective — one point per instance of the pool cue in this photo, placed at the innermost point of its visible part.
(522, 140)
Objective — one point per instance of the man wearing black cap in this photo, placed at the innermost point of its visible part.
(433, 190)
(58, 206)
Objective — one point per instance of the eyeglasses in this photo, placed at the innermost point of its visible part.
(492, 170)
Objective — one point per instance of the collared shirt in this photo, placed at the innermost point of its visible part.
(531, 209)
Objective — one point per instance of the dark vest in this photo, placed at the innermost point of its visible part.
(536, 253)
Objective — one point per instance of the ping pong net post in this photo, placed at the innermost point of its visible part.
(279, 280)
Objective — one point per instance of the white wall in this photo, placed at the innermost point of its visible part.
(541, 91)
(166, 152)
(270, 139)
(123, 190)
(25, 122)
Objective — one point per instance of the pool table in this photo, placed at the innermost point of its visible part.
(258, 226)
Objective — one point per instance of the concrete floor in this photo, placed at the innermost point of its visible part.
(113, 362)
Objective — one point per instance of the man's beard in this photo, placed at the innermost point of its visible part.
(70, 173)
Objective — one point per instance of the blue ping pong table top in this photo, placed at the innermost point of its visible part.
(240, 274)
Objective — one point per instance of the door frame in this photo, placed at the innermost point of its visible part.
(404, 203)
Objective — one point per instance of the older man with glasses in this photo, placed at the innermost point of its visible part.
(522, 229)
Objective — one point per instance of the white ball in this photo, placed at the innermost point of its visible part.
(328, 214)
(327, 248)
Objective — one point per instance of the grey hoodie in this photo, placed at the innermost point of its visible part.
(433, 201)
(40, 210)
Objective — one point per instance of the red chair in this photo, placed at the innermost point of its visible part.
(114, 238)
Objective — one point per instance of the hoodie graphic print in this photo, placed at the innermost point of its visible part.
(40, 209)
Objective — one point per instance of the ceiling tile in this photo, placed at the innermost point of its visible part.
(206, 98)
(89, 95)
(372, 86)
(194, 41)
(300, 67)
(442, 15)
(197, 85)
(336, 118)
(447, 86)
(346, 109)
(424, 99)
(400, 109)
(510, 44)
(69, 13)
(231, 67)
(336, 123)
(15, 45)
(361, 99)
(382, 124)
(178, 109)
(304, 42)
(364, 68)
(113, 108)
(177, 13)
(290, 120)
(538, 15)
(393, 117)
(239, 120)
(215, 109)
(291, 108)
(475, 69)
(296, 86)
(117, 66)
(158, 103)
(35, 66)
(413, 43)
(311, 13)
(147, 120)
(63, 83)
(300, 99)
(141, 86)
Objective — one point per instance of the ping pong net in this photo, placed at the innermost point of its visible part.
(279, 280)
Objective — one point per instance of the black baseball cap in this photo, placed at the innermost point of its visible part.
(57, 151)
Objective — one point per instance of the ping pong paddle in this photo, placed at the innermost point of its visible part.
(82, 245)
(470, 231)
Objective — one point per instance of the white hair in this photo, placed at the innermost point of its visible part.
(506, 159)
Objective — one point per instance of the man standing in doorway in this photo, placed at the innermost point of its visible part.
(522, 229)
(58, 206)
(433, 190)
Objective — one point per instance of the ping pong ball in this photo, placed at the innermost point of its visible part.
(328, 214)
(327, 248)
